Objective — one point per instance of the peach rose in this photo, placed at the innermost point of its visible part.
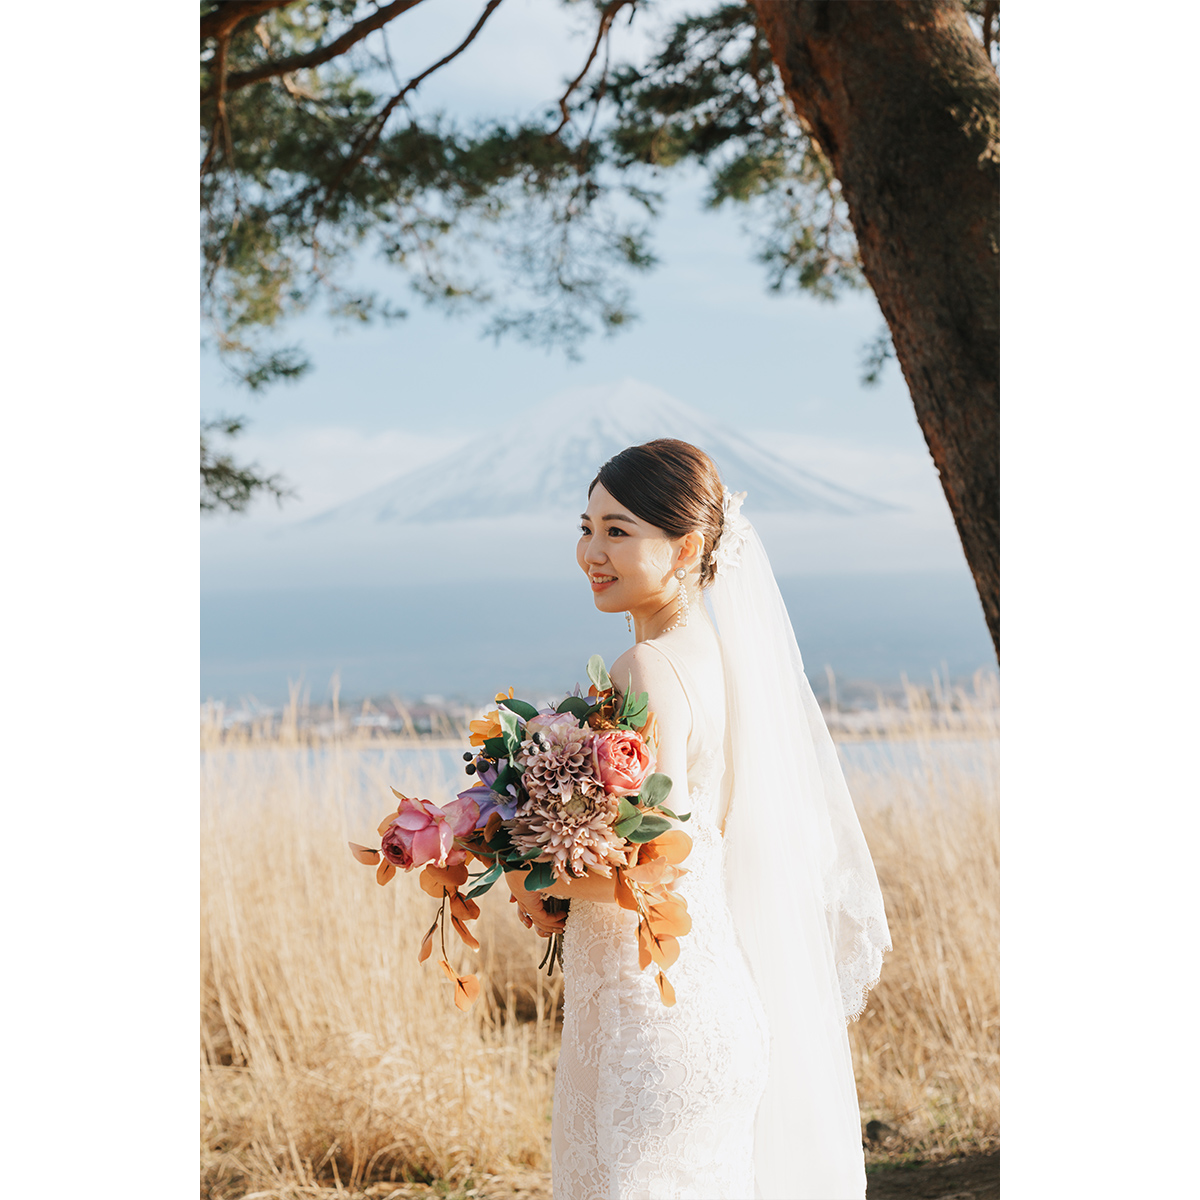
(621, 761)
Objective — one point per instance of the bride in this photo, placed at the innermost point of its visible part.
(744, 1088)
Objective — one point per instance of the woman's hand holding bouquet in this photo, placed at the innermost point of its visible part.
(562, 793)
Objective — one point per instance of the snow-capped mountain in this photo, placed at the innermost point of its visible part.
(541, 461)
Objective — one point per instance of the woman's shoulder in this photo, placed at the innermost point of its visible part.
(646, 668)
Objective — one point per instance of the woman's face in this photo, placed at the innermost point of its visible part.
(629, 562)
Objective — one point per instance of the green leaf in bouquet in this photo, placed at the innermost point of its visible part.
(530, 855)
(578, 707)
(662, 808)
(484, 882)
(522, 708)
(541, 875)
(597, 672)
(626, 809)
(496, 747)
(507, 776)
(648, 829)
(512, 731)
(655, 789)
(634, 701)
(630, 825)
(501, 841)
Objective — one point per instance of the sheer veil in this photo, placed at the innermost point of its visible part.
(800, 882)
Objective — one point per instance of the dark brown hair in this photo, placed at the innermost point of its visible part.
(673, 485)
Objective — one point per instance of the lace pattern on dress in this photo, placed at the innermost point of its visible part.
(657, 1103)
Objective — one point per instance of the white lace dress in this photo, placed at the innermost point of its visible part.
(650, 1102)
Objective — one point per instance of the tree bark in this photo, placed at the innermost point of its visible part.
(905, 103)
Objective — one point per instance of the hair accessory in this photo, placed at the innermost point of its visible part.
(734, 528)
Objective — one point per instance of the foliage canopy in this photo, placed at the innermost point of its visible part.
(312, 151)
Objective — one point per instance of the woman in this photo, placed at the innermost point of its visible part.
(744, 1087)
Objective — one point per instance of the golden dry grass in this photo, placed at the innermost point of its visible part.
(332, 1062)
(927, 1050)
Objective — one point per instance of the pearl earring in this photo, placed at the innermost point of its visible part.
(682, 619)
(629, 622)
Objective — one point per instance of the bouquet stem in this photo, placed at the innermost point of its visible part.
(552, 904)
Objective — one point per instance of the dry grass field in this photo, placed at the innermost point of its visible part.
(332, 1063)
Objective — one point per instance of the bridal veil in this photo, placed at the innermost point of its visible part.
(800, 882)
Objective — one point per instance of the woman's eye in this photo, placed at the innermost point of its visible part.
(584, 529)
(615, 530)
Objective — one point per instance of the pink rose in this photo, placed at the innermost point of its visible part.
(424, 833)
(621, 761)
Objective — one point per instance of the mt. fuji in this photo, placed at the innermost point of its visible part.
(541, 461)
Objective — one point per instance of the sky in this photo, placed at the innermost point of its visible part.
(783, 368)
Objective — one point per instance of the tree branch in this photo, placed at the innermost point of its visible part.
(220, 124)
(322, 54)
(606, 20)
(222, 21)
(991, 10)
(367, 140)
(220, 24)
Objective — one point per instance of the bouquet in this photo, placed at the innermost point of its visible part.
(561, 792)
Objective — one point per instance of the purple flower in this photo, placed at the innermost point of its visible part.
(488, 772)
(489, 802)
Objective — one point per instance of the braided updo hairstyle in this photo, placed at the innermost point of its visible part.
(673, 485)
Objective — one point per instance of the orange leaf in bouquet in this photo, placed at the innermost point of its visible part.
(464, 933)
(463, 907)
(434, 880)
(427, 943)
(661, 948)
(670, 916)
(385, 872)
(657, 874)
(643, 946)
(466, 988)
(383, 825)
(674, 846)
(665, 990)
(492, 827)
(369, 858)
(624, 893)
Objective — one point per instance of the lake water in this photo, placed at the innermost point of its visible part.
(467, 641)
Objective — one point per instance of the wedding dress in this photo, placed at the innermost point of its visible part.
(744, 1089)
(650, 1102)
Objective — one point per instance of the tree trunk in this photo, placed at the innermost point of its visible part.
(905, 103)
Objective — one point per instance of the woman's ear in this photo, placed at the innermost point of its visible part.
(691, 549)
